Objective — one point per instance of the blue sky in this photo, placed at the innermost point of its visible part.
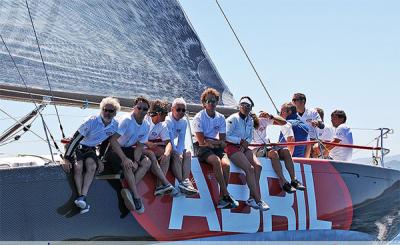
(341, 54)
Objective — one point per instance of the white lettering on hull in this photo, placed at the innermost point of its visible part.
(200, 207)
(250, 222)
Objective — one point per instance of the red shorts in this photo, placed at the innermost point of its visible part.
(231, 149)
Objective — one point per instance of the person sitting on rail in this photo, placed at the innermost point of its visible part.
(81, 150)
(295, 130)
(325, 134)
(180, 157)
(275, 153)
(126, 152)
(158, 149)
(310, 117)
(239, 133)
(210, 129)
(343, 135)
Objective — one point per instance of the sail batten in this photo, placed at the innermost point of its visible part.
(114, 48)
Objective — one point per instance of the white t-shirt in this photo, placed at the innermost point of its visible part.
(157, 132)
(344, 134)
(211, 127)
(260, 135)
(131, 132)
(176, 129)
(325, 134)
(287, 131)
(95, 132)
(308, 116)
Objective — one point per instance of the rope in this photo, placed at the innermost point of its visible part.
(44, 67)
(315, 141)
(16, 120)
(247, 56)
(31, 96)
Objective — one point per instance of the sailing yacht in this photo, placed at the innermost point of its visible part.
(67, 53)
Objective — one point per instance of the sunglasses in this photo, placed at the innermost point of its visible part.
(299, 99)
(155, 113)
(245, 105)
(181, 110)
(211, 101)
(142, 108)
(108, 110)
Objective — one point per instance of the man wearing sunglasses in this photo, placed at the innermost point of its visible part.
(309, 117)
(127, 151)
(210, 129)
(180, 158)
(158, 148)
(82, 149)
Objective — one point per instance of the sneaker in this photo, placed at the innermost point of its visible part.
(186, 188)
(80, 202)
(223, 203)
(232, 201)
(227, 202)
(298, 185)
(139, 207)
(263, 206)
(252, 203)
(128, 200)
(163, 189)
(288, 188)
(85, 209)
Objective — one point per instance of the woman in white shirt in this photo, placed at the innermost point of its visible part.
(239, 134)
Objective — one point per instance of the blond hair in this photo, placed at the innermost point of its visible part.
(110, 101)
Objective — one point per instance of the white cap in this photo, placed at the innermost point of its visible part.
(245, 100)
(179, 100)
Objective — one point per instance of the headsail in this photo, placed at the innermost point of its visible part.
(96, 48)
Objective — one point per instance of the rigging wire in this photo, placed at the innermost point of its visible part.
(45, 70)
(247, 56)
(31, 96)
(16, 120)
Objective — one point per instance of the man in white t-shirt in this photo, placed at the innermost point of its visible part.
(81, 150)
(210, 129)
(180, 157)
(310, 117)
(156, 146)
(343, 135)
(127, 151)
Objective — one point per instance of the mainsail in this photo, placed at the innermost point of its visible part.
(103, 47)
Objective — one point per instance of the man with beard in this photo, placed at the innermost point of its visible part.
(82, 148)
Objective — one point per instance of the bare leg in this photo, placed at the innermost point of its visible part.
(130, 178)
(225, 169)
(78, 177)
(256, 165)
(276, 165)
(215, 162)
(91, 166)
(308, 151)
(240, 160)
(176, 166)
(144, 166)
(287, 158)
(187, 164)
